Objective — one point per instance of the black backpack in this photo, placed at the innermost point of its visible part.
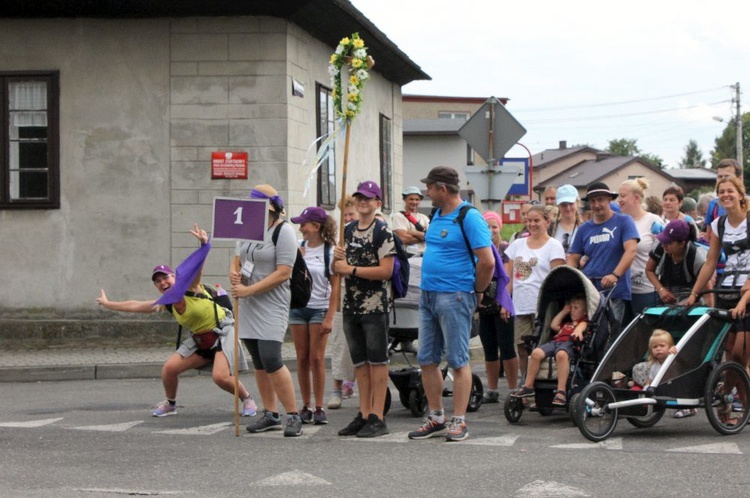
(401, 267)
(300, 282)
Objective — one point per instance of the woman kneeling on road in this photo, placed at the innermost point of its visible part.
(212, 341)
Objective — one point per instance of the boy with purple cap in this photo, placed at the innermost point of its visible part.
(367, 264)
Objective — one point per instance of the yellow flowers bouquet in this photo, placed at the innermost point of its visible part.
(351, 58)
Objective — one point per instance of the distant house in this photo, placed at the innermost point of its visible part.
(694, 178)
(115, 108)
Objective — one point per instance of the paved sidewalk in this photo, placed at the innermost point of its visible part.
(119, 363)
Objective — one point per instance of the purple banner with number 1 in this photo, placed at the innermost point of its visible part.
(240, 219)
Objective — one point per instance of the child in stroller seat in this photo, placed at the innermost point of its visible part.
(562, 347)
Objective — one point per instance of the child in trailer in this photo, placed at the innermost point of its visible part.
(562, 347)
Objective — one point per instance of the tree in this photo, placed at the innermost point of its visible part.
(726, 145)
(623, 147)
(693, 156)
(629, 147)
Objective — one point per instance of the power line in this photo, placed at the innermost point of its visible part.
(610, 116)
(622, 102)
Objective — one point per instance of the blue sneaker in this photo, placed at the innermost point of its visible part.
(429, 428)
(163, 409)
(266, 423)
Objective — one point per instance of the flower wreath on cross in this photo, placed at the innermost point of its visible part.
(349, 59)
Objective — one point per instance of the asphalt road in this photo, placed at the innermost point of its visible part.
(97, 438)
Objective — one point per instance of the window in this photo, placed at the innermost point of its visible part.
(453, 115)
(327, 170)
(386, 162)
(29, 141)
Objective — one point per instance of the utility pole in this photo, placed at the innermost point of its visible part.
(736, 101)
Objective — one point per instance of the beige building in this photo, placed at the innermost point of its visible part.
(115, 111)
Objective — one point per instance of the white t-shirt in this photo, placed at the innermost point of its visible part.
(321, 288)
(739, 261)
(399, 222)
(530, 268)
(639, 283)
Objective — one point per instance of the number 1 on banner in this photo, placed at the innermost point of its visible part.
(240, 219)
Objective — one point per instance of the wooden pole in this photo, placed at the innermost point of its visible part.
(236, 365)
(336, 281)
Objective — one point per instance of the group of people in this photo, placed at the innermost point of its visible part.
(646, 259)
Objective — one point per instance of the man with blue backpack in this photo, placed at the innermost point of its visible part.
(458, 266)
(367, 263)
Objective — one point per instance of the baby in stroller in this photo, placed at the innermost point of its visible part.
(563, 347)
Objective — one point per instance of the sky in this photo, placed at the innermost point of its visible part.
(582, 71)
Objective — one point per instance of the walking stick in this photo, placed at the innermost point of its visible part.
(236, 367)
(336, 281)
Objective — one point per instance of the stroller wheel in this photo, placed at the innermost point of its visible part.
(417, 402)
(404, 398)
(727, 397)
(387, 405)
(648, 420)
(572, 408)
(513, 409)
(596, 420)
(477, 394)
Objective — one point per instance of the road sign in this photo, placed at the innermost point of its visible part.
(492, 119)
(240, 219)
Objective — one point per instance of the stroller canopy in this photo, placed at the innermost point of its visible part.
(564, 282)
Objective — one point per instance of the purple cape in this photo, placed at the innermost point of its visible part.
(185, 274)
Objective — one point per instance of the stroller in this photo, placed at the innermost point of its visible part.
(562, 283)
(404, 327)
(694, 377)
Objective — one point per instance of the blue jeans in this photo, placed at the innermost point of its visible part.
(445, 326)
(304, 316)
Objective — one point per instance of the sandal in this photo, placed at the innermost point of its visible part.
(685, 412)
(560, 399)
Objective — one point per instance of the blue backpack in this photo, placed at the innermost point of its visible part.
(401, 268)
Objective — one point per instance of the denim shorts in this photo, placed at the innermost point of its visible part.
(445, 326)
(303, 316)
(551, 348)
(367, 337)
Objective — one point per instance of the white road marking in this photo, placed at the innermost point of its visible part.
(724, 448)
(549, 488)
(504, 440)
(31, 423)
(608, 444)
(293, 478)
(203, 430)
(396, 437)
(129, 492)
(109, 428)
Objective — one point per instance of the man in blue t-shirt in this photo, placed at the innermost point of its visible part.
(451, 273)
(608, 241)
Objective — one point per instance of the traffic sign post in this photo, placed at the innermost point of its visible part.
(491, 132)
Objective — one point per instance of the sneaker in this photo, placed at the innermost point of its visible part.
(373, 428)
(685, 412)
(354, 426)
(266, 423)
(249, 408)
(347, 390)
(293, 426)
(306, 415)
(457, 430)
(163, 409)
(523, 392)
(428, 429)
(334, 402)
(491, 397)
(319, 417)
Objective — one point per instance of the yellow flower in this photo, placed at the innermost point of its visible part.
(349, 114)
(358, 43)
(333, 59)
(352, 97)
(356, 63)
(344, 41)
(353, 79)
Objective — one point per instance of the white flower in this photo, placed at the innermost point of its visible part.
(351, 106)
(362, 74)
(340, 49)
(360, 53)
(353, 89)
(333, 70)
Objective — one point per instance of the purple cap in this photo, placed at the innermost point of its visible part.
(369, 189)
(676, 230)
(166, 270)
(313, 213)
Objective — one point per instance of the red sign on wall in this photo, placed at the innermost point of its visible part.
(231, 165)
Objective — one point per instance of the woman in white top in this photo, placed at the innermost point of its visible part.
(530, 260)
(649, 225)
(564, 227)
(312, 324)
